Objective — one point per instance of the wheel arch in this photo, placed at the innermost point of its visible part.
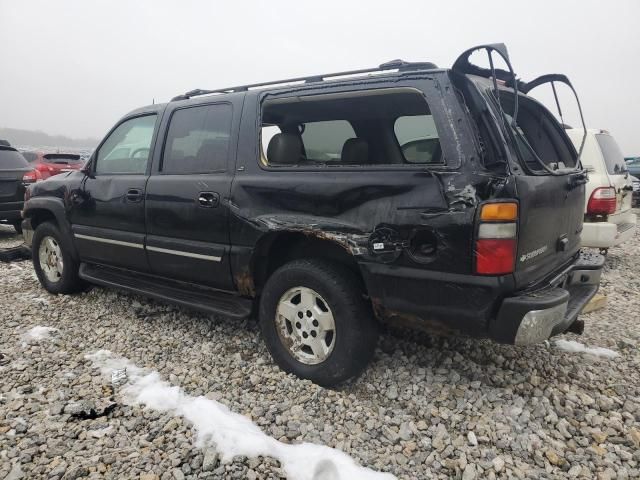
(40, 210)
(275, 249)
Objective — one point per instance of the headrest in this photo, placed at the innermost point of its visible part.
(284, 149)
(355, 151)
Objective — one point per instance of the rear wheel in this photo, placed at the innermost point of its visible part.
(316, 323)
(55, 267)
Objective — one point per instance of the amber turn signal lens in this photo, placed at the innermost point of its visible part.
(505, 211)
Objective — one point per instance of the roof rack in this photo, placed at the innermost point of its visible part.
(397, 64)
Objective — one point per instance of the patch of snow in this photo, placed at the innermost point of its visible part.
(100, 432)
(39, 333)
(41, 301)
(577, 347)
(232, 434)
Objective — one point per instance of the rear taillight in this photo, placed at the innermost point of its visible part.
(496, 242)
(31, 177)
(41, 167)
(602, 201)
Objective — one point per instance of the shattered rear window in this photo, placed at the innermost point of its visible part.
(418, 139)
(366, 127)
(323, 141)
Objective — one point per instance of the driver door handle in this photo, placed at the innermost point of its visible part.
(134, 195)
(208, 199)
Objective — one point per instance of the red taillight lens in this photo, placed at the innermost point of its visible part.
(602, 201)
(495, 256)
(496, 242)
(31, 177)
(42, 167)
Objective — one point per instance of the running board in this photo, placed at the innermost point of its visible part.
(186, 294)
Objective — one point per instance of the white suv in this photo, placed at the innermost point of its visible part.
(608, 219)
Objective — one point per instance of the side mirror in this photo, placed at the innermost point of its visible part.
(86, 170)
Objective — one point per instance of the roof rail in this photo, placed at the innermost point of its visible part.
(397, 64)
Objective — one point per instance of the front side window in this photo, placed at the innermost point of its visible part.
(128, 147)
(368, 127)
(198, 140)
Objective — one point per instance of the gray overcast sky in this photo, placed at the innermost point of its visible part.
(74, 67)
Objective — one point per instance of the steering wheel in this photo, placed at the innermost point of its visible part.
(141, 153)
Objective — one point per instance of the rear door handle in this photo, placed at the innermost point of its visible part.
(208, 199)
(134, 195)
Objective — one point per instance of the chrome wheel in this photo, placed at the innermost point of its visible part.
(305, 325)
(50, 257)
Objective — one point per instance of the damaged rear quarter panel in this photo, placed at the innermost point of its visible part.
(359, 207)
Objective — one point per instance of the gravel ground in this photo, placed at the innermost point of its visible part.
(427, 407)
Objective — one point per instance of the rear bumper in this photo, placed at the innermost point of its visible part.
(11, 211)
(607, 234)
(533, 317)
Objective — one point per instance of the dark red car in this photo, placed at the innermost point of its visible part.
(49, 164)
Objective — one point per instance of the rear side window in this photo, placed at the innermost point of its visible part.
(198, 140)
(323, 141)
(127, 148)
(368, 127)
(10, 159)
(613, 157)
(418, 139)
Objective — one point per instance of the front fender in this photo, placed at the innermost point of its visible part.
(47, 206)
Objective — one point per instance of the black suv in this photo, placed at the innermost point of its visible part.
(440, 198)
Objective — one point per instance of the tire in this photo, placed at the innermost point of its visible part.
(330, 288)
(17, 227)
(65, 274)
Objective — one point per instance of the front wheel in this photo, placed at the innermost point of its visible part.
(54, 265)
(316, 323)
